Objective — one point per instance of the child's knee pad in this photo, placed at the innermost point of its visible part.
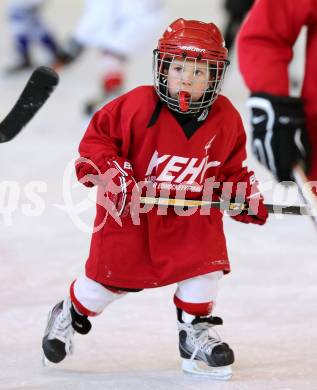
(91, 297)
(197, 296)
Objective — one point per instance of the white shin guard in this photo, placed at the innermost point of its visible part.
(90, 297)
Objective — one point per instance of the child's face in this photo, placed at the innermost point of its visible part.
(188, 76)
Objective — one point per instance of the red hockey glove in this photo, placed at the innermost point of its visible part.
(120, 184)
(255, 212)
(245, 190)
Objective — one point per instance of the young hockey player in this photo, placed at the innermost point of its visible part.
(175, 136)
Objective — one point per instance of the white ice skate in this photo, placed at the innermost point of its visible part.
(58, 337)
(63, 321)
(204, 354)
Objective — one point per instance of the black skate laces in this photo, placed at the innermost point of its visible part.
(209, 320)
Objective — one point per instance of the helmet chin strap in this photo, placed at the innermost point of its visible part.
(184, 100)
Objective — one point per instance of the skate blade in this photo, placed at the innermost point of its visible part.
(45, 361)
(218, 373)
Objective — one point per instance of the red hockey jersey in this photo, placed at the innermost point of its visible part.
(162, 249)
(265, 45)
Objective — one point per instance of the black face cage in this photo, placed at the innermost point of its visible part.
(161, 64)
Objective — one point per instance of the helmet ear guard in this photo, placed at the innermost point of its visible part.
(190, 40)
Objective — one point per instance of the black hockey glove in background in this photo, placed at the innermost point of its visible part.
(279, 137)
(238, 9)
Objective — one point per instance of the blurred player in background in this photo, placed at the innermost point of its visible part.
(284, 127)
(117, 28)
(265, 50)
(174, 138)
(236, 11)
(27, 27)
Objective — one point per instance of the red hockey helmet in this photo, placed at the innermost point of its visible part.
(190, 40)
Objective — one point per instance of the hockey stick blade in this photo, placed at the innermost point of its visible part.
(306, 191)
(37, 90)
(226, 206)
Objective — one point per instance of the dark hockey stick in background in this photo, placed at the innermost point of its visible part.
(272, 208)
(37, 90)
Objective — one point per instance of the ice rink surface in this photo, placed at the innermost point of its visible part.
(268, 302)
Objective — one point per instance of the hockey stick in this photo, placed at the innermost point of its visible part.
(37, 90)
(223, 205)
(306, 191)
